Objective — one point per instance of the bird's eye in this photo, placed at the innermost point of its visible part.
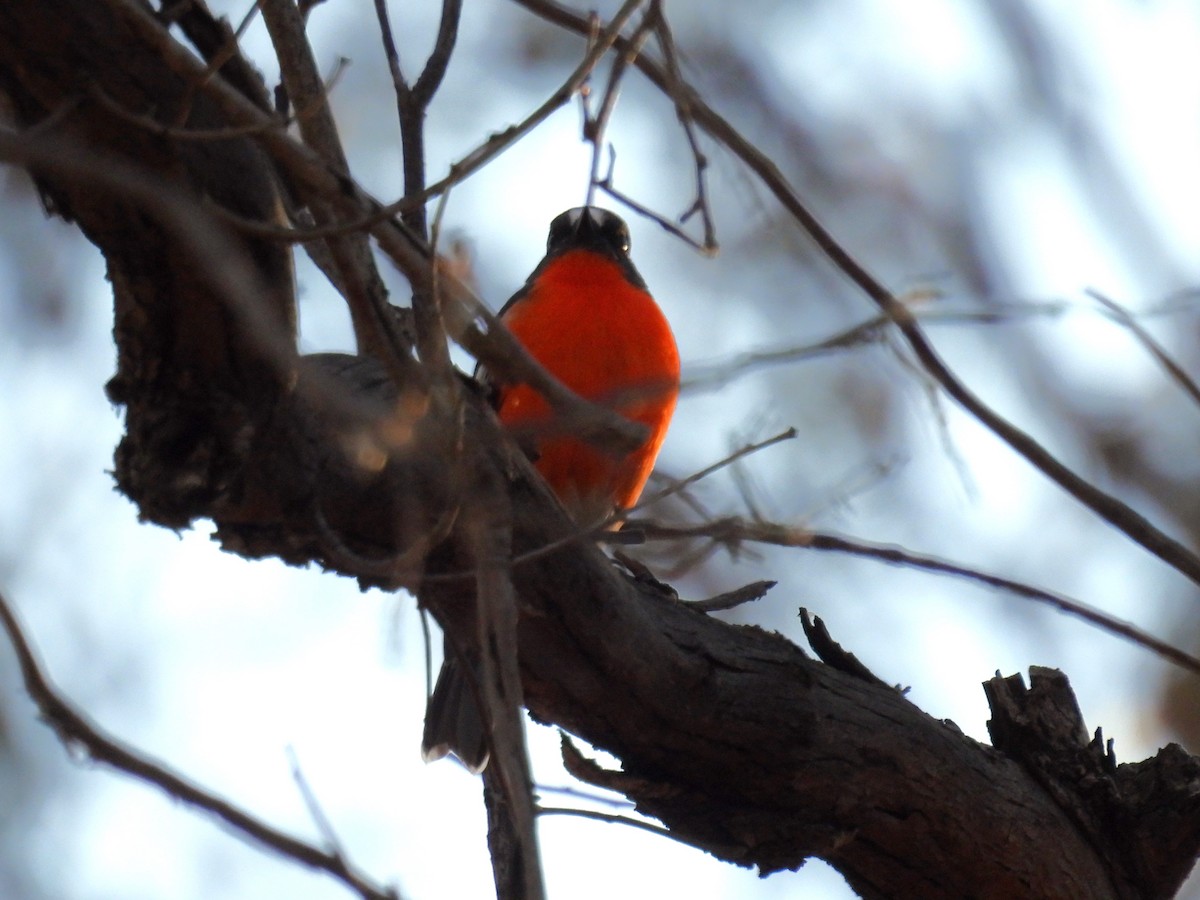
(616, 232)
(621, 238)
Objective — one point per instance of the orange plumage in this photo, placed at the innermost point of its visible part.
(586, 316)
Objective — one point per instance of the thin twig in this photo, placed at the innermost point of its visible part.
(359, 278)
(646, 212)
(1153, 347)
(610, 818)
(216, 57)
(247, 19)
(324, 825)
(609, 36)
(614, 800)
(748, 593)
(431, 76)
(596, 127)
(412, 103)
(215, 41)
(683, 111)
(75, 731)
(714, 375)
(432, 344)
(734, 531)
(508, 780)
(473, 161)
(787, 434)
(602, 531)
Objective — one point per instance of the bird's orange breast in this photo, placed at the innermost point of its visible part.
(606, 340)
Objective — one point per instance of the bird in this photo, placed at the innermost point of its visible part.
(586, 315)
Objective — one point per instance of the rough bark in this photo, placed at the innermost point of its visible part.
(733, 737)
(190, 374)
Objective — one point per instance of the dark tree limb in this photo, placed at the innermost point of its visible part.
(1141, 817)
(190, 378)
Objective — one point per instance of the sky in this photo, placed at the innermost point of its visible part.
(917, 131)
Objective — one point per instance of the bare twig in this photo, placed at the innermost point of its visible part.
(614, 800)
(606, 185)
(218, 44)
(610, 35)
(303, 80)
(595, 127)
(376, 214)
(76, 732)
(358, 277)
(1153, 347)
(748, 593)
(676, 91)
(601, 531)
(710, 376)
(432, 343)
(411, 106)
(324, 826)
(247, 19)
(610, 818)
(508, 782)
(740, 453)
(734, 531)
(412, 103)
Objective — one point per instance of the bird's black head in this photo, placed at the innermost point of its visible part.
(595, 229)
(590, 227)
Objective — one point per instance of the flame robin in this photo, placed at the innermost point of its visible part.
(585, 315)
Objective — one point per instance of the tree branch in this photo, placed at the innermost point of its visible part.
(374, 326)
(733, 532)
(77, 733)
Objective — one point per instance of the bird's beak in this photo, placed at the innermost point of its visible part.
(587, 226)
